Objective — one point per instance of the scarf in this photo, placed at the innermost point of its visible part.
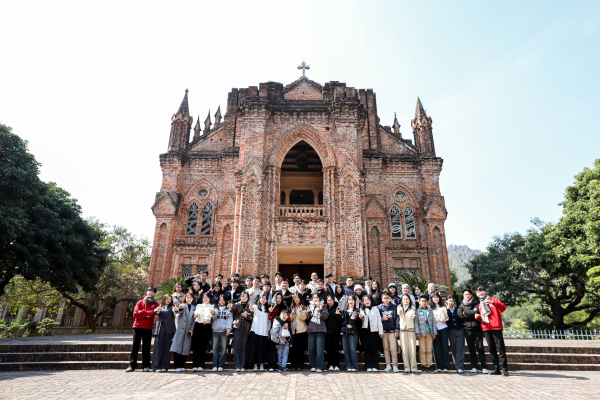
(486, 310)
(149, 301)
(468, 303)
(316, 313)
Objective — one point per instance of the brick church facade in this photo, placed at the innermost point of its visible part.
(299, 178)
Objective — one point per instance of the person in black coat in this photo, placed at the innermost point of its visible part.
(467, 313)
(201, 278)
(333, 336)
(233, 294)
(161, 354)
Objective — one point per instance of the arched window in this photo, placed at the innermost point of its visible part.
(192, 222)
(396, 223)
(409, 223)
(206, 223)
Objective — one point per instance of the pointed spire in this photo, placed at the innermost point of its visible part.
(420, 112)
(396, 125)
(207, 122)
(197, 128)
(218, 117)
(184, 108)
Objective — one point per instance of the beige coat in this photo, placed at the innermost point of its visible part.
(298, 322)
(406, 320)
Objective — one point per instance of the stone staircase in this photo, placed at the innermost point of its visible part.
(32, 356)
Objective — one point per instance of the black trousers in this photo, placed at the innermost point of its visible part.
(300, 346)
(475, 343)
(370, 341)
(179, 360)
(202, 334)
(332, 347)
(495, 343)
(144, 336)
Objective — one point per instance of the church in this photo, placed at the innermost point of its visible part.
(299, 178)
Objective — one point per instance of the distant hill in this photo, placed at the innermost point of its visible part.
(458, 257)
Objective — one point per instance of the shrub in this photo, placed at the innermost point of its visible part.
(44, 328)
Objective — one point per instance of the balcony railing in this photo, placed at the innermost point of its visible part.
(68, 321)
(195, 241)
(301, 211)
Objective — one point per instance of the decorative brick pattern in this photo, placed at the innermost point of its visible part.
(236, 165)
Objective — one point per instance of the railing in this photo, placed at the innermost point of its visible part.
(128, 321)
(195, 241)
(67, 321)
(106, 321)
(543, 334)
(301, 211)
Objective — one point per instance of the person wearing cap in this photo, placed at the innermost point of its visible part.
(468, 312)
(393, 289)
(490, 311)
(143, 315)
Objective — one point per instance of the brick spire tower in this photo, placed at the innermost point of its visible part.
(422, 130)
(181, 123)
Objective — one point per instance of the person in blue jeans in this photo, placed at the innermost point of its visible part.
(316, 329)
(283, 339)
(351, 324)
(222, 321)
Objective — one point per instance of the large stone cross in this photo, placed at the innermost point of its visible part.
(303, 67)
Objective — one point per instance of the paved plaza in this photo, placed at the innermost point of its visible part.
(118, 385)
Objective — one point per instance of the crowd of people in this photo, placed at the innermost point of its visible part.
(271, 326)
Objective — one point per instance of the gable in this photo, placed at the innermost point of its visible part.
(374, 210)
(165, 204)
(303, 90)
(227, 209)
(435, 211)
(392, 144)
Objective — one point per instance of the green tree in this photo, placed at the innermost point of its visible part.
(42, 233)
(123, 279)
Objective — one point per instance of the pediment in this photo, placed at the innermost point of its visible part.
(227, 208)
(374, 209)
(435, 210)
(303, 89)
(166, 204)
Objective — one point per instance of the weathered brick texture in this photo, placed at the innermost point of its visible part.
(236, 165)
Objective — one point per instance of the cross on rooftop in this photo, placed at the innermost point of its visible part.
(303, 67)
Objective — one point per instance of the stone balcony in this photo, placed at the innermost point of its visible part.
(301, 211)
(195, 241)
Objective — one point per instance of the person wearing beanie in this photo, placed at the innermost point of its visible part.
(143, 315)
(358, 293)
(393, 289)
(468, 312)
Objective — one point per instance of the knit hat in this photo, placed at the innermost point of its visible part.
(357, 287)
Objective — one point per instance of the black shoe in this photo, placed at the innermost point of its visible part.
(504, 373)
(496, 372)
(432, 370)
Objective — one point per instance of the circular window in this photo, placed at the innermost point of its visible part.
(203, 193)
(400, 196)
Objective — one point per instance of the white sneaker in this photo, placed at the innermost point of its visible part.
(194, 369)
(237, 370)
(200, 369)
(373, 369)
(255, 367)
(337, 369)
(270, 369)
(485, 371)
(146, 369)
(319, 370)
(368, 369)
(460, 371)
(163, 370)
(262, 367)
(446, 370)
(242, 370)
(474, 371)
(215, 369)
(388, 368)
(313, 369)
(220, 369)
(396, 369)
(407, 371)
(330, 369)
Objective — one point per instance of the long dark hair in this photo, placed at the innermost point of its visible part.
(417, 287)
(262, 307)
(341, 290)
(353, 297)
(367, 297)
(294, 297)
(432, 305)
(410, 302)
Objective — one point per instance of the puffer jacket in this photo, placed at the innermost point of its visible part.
(276, 330)
(466, 313)
(421, 322)
(371, 319)
(297, 321)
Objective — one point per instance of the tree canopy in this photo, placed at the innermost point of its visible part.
(42, 232)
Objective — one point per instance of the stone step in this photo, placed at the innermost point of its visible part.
(564, 358)
(77, 365)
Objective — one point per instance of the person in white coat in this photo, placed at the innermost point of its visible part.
(258, 340)
(370, 333)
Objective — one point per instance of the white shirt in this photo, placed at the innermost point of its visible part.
(260, 323)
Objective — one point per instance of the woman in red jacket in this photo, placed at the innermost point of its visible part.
(490, 313)
(142, 327)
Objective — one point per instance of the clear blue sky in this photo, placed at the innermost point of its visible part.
(512, 88)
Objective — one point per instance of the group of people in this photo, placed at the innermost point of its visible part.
(271, 326)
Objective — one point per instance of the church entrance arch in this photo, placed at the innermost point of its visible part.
(303, 260)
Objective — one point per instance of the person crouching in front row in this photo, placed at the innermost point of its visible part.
(283, 339)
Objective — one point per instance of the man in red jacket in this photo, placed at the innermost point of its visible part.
(490, 312)
(142, 330)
